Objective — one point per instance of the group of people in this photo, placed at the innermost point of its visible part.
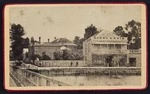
(71, 64)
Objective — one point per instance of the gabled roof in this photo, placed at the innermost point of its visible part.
(107, 36)
(105, 33)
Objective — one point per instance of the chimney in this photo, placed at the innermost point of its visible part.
(39, 40)
(48, 40)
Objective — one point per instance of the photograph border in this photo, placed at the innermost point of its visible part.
(80, 87)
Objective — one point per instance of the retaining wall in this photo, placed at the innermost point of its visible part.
(60, 63)
(91, 70)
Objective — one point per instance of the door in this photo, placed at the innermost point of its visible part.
(132, 62)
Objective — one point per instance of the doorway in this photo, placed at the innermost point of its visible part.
(132, 62)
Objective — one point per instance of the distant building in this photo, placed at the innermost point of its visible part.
(106, 49)
(134, 58)
(48, 48)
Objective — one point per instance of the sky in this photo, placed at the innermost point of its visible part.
(69, 20)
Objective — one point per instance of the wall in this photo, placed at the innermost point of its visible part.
(60, 63)
(135, 54)
(47, 49)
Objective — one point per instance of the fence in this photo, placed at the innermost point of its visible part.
(29, 78)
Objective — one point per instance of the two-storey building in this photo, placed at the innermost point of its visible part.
(105, 49)
(48, 48)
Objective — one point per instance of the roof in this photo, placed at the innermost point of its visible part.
(107, 37)
(58, 42)
(61, 40)
(105, 33)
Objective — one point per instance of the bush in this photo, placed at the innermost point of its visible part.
(33, 57)
(46, 57)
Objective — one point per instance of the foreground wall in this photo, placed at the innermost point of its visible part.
(60, 63)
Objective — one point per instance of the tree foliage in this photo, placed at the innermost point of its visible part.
(45, 57)
(79, 42)
(90, 31)
(133, 33)
(66, 55)
(120, 32)
(26, 42)
(16, 33)
(33, 57)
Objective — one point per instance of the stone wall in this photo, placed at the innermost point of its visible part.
(91, 70)
(60, 63)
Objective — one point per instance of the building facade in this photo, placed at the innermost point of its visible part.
(134, 58)
(49, 48)
(105, 49)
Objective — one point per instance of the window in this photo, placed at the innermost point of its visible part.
(85, 57)
(132, 62)
(118, 46)
(103, 45)
(123, 45)
(111, 46)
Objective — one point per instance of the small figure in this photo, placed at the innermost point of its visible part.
(76, 64)
(71, 64)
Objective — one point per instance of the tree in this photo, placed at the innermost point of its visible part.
(78, 42)
(33, 57)
(26, 42)
(120, 32)
(16, 33)
(133, 33)
(66, 55)
(76, 39)
(90, 31)
(81, 43)
(45, 57)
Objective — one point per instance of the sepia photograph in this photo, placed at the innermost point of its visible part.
(75, 46)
